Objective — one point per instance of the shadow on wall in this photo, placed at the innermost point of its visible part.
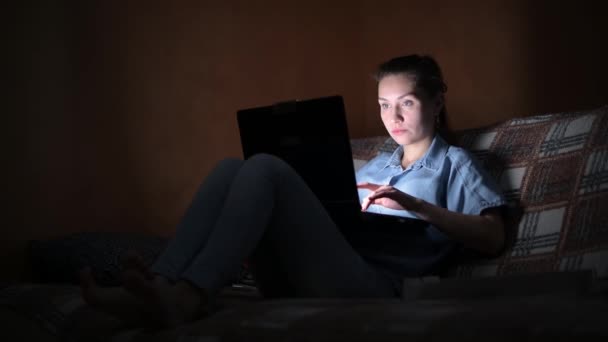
(568, 55)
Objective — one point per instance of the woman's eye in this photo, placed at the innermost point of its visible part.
(384, 106)
(408, 103)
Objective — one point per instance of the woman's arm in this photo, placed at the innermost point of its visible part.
(484, 233)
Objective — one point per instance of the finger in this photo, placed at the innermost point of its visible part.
(380, 189)
(137, 284)
(365, 204)
(374, 198)
(387, 192)
(385, 187)
(86, 278)
(378, 201)
(134, 260)
(369, 186)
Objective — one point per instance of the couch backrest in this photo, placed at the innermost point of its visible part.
(553, 169)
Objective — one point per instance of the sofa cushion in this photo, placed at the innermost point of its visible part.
(44, 312)
(553, 169)
(35, 312)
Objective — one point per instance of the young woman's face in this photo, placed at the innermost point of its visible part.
(407, 116)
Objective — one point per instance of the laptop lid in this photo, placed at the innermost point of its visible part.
(310, 135)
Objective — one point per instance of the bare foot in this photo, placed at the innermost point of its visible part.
(167, 305)
(115, 301)
(132, 260)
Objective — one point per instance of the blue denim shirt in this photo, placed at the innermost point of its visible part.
(447, 176)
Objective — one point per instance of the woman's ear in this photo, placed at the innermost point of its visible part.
(438, 103)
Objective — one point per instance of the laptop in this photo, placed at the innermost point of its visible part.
(312, 137)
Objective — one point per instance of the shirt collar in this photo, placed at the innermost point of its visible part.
(431, 159)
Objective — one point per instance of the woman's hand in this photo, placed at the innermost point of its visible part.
(484, 232)
(389, 197)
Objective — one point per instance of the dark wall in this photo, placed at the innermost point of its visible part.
(126, 106)
(500, 58)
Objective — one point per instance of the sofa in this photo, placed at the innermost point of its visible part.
(550, 281)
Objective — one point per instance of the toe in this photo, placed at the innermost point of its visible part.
(138, 284)
(134, 261)
(89, 287)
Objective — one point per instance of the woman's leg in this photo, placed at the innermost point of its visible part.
(191, 236)
(268, 272)
(197, 223)
(269, 202)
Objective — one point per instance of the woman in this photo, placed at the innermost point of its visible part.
(261, 209)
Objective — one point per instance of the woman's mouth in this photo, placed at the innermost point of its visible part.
(398, 131)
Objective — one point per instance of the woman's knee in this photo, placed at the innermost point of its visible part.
(230, 164)
(268, 162)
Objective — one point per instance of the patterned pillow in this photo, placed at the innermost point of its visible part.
(60, 260)
(553, 169)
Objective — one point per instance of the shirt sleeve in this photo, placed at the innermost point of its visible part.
(470, 188)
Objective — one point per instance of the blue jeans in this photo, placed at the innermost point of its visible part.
(261, 210)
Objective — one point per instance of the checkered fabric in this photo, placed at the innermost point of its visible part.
(553, 169)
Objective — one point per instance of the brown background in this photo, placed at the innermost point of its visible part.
(122, 107)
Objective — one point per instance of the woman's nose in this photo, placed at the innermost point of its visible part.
(396, 115)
